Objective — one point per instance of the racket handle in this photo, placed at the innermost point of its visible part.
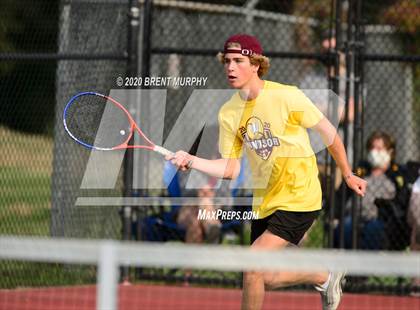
(162, 150)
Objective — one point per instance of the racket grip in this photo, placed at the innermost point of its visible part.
(162, 150)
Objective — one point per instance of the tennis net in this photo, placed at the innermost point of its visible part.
(81, 274)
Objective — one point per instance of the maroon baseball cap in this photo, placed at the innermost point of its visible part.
(249, 45)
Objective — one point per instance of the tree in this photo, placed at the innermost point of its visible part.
(28, 87)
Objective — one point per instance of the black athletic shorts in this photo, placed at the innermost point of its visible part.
(290, 226)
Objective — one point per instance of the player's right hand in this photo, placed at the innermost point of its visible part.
(357, 184)
(181, 159)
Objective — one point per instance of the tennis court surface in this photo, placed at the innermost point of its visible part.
(103, 261)
(148, 296)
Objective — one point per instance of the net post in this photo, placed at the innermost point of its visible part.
(108, 274)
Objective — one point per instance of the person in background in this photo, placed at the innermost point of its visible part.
(200, 230)
(413, 219)
(385, 196)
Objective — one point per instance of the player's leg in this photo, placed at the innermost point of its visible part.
(253, 282)
(328, 284)
(269, 241)
(284, 228)
(292, 226)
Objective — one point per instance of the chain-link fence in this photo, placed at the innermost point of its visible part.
(186, 38)
(367, 52)
(389, 120)
(27, 108)
(104, 44)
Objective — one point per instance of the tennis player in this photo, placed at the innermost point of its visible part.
(270, 120)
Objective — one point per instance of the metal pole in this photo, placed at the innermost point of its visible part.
(147, 37)
(358, 134)
(326, 175)
(335, 84)
(143, 110)
(132, 69)
(145, 101)
(349, 60)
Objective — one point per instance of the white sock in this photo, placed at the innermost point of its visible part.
(325, 285)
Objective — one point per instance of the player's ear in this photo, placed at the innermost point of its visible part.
(255, 67)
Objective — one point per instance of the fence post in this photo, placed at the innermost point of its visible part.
(132, 70)
(335, 88)
(108, 273)
(358, 115)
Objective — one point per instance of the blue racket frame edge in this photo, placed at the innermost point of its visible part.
(71, 101)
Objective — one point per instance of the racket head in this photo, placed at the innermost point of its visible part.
(97, 121)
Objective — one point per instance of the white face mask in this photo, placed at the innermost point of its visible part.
(379, 159)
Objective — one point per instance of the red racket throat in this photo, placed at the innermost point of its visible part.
(133, 126)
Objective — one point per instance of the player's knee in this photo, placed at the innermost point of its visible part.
(252, 276)
(269, 282)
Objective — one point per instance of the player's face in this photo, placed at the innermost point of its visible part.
(239, 70)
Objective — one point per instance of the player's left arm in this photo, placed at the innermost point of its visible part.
(336, 148)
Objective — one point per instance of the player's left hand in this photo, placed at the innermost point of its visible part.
(181, 159)
(356, 184)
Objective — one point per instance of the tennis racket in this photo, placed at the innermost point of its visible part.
(100, 122)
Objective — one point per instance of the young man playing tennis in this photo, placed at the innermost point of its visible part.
(271, 120)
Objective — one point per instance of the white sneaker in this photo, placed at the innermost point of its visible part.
(331, 296)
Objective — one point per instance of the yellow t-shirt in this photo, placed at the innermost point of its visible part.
(272, 130)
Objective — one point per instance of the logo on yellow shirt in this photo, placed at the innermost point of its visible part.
(258, 137)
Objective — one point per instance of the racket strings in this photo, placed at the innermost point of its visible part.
(97, 122)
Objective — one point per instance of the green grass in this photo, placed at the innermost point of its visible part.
(25, 175)
(15, 274)
(25, 209)
(25, 202)
(315, 235)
